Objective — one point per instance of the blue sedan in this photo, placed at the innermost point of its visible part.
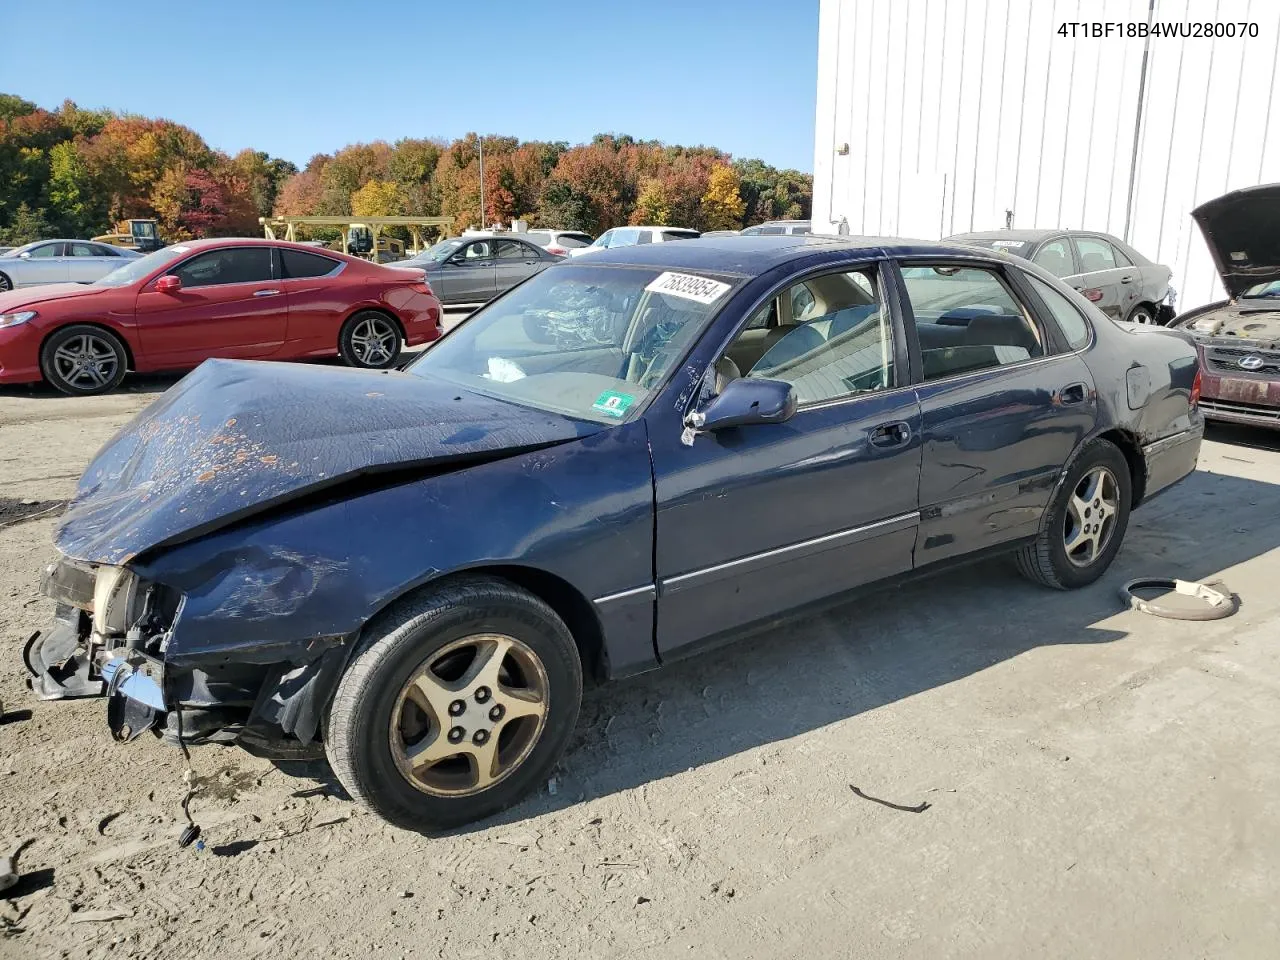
(627, 458)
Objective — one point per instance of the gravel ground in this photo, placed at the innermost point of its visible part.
(1037, 774)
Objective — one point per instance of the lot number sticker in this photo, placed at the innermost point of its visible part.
(688, 286)
(613, 403)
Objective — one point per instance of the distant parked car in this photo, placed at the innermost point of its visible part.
(477, 267)
(1123, 283)
(630, 236)
(1239, 339)
(559, 242)
(239, 299)
(60, 261)
(778, 227)
(4, 250)
(722, 233)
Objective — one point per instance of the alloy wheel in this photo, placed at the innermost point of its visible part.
(470, 715)
(373, 341)
(86, 362)
(1090, 518)
(5, 283)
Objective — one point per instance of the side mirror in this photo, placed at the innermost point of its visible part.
(169, 284)
(744, 402)
(25, 255)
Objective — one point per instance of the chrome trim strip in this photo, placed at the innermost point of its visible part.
(1181, 436)
(854, 533)
(624, 594)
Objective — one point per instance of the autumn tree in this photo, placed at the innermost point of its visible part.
(721, 205)
(651, 205)
(377, 198)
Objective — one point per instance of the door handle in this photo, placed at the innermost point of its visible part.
(1073, 393)
(266, 293)
(896, 434)
(1128, 279)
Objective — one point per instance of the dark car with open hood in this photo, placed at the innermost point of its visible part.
(1239, 338)
(628, 458)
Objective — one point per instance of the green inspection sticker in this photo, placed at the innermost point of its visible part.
(613, 403)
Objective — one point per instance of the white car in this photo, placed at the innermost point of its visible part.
(559, 242)
(778, 227)
(60, 261)
(630, 236)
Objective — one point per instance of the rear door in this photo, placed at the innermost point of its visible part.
(87, 262)
(515, 261)
(1004, 400)
(231, 304)
(1102, 279)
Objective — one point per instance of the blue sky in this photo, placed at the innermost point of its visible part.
(291, 78)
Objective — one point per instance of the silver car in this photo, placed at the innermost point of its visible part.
(477, 267)
(60, 261)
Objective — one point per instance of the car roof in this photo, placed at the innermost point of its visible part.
(1031, 236)
(753, 255)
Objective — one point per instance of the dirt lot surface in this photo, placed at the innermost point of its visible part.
(1038, 774)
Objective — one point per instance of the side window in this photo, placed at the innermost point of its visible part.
(1122, 259)
(773, 231)
(1073, 326)
(514, 250)
(298, 264)
(843, 347)
(235, 265)
(1055, 256)
(82, 250)
(105, 251)
(480, 250)
(644, 236)
(1094, 254)
(46, 251)
(966, 320)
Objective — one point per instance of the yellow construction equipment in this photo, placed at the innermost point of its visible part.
(140, 235)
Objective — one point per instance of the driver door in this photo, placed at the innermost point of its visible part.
(470, 275)
(755, 521)
(46, 263)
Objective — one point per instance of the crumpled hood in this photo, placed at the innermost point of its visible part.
(12, 300)
(237, 437)
(1240, 229)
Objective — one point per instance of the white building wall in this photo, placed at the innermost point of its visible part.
(956, 111)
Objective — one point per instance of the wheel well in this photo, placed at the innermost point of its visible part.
(1132, 450)
(128, 350)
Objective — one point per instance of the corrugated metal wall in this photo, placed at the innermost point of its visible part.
(936, 117)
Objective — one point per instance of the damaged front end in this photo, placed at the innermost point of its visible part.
(110, 632)
(108, 637)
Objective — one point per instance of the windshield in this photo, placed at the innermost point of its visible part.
(135, 270)
(1264, 291)
(16, 251)
(588, 342)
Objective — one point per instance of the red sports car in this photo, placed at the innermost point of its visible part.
(238, 299)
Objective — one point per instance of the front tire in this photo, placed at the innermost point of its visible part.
(370, 340)
(81, 360)
(5, 283)
(1085, 523)
(457, 704)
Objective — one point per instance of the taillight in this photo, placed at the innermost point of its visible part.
(558, 251)
(1092, 294)
(424, 287)
(1195, 389)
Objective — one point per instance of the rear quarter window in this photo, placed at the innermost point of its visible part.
(298, 264)
(1073, 326)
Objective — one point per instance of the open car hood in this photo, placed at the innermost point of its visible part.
(1241, 231)
(235, 438)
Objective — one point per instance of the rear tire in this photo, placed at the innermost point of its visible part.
(82, 360)
(370, 340)
(1142, 314)
(5, 283)
(1086, 521)
(436, 679)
